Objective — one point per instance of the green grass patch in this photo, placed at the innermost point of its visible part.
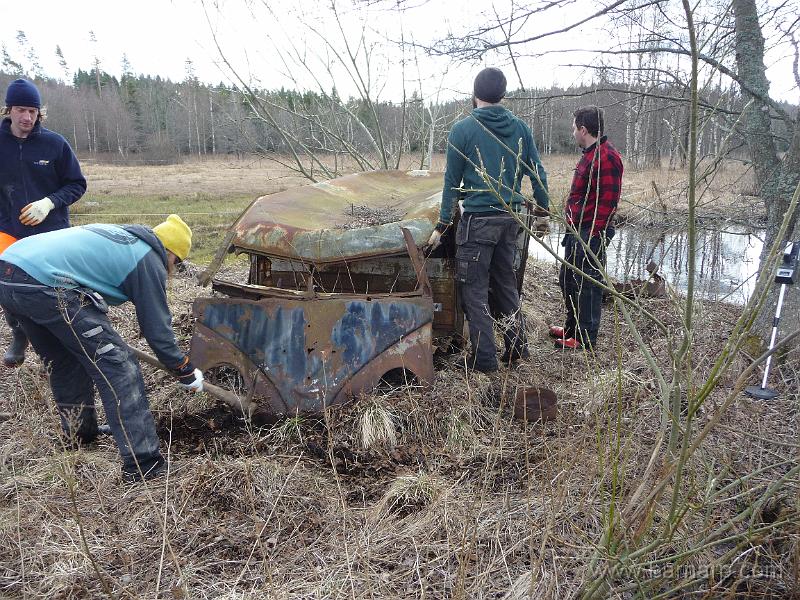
(208, 216)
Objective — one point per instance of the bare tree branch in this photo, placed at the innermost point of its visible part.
(473, 52)
(704, 58)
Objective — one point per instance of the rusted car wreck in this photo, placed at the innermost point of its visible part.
(338, 293)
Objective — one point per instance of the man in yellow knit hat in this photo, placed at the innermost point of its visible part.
(59, 285)
(175, 235)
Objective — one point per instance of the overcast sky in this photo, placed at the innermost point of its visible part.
(159, 36)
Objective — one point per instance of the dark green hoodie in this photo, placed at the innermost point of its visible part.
(490, 138)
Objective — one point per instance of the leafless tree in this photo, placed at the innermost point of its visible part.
(313, 124)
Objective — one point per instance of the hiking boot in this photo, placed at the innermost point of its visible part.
(514, 355)
(82, 436)
(143, 472)
(568, 344)
(15, 355)
(473, 366)
(556, 332)
(76, 442)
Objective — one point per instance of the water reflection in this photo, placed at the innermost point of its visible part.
(727, 260)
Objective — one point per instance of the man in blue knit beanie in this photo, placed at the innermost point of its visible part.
(39, 179)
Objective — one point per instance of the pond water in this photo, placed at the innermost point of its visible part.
(727, 259)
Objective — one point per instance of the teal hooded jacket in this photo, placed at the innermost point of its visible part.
(491, 139)
(122, 263)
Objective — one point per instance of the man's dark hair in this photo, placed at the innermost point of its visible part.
(590, 117)
(6, 110)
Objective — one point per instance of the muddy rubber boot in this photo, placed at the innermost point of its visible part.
(15, 354)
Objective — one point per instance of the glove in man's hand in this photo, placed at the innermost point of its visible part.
(435, 240)
(541, 227)
(193, 381)
(36, 212)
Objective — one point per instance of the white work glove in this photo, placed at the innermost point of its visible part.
(193, 386)
(36, 212)
(435, 240)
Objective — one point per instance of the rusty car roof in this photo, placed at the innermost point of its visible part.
(310, 222)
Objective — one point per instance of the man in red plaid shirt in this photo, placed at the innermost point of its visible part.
(589, 213)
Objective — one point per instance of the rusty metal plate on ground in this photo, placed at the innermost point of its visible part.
(533, 404)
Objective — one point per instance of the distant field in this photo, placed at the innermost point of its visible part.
(209, 194)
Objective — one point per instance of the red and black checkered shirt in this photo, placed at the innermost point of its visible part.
(596, 187)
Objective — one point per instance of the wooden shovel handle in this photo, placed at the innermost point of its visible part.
(230, 398)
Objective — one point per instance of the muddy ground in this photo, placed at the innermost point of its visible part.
(412, 493)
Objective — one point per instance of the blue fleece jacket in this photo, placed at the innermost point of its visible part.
(121, 262)
(491, 137)
(41, 165)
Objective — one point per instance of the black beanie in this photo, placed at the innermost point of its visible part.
(22, 92)
(490, 85)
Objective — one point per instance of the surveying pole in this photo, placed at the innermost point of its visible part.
(785, 275)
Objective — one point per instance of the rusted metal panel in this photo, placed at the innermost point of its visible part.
(391, 274)
(332, 305)
(302, 350)
(382, 274)
(363, 260)
(310, 223)
(388, 274)
(299, 353)
(423, 283)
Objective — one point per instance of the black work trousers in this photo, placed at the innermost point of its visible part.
(486, 246)
(582, 298)
(82, 351)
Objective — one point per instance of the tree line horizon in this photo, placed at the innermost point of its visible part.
(149, 119)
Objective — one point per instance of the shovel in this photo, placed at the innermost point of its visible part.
(242, 404)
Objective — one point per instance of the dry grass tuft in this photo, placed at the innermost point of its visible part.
(377, 424)
(289, 430)
(410, 494)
